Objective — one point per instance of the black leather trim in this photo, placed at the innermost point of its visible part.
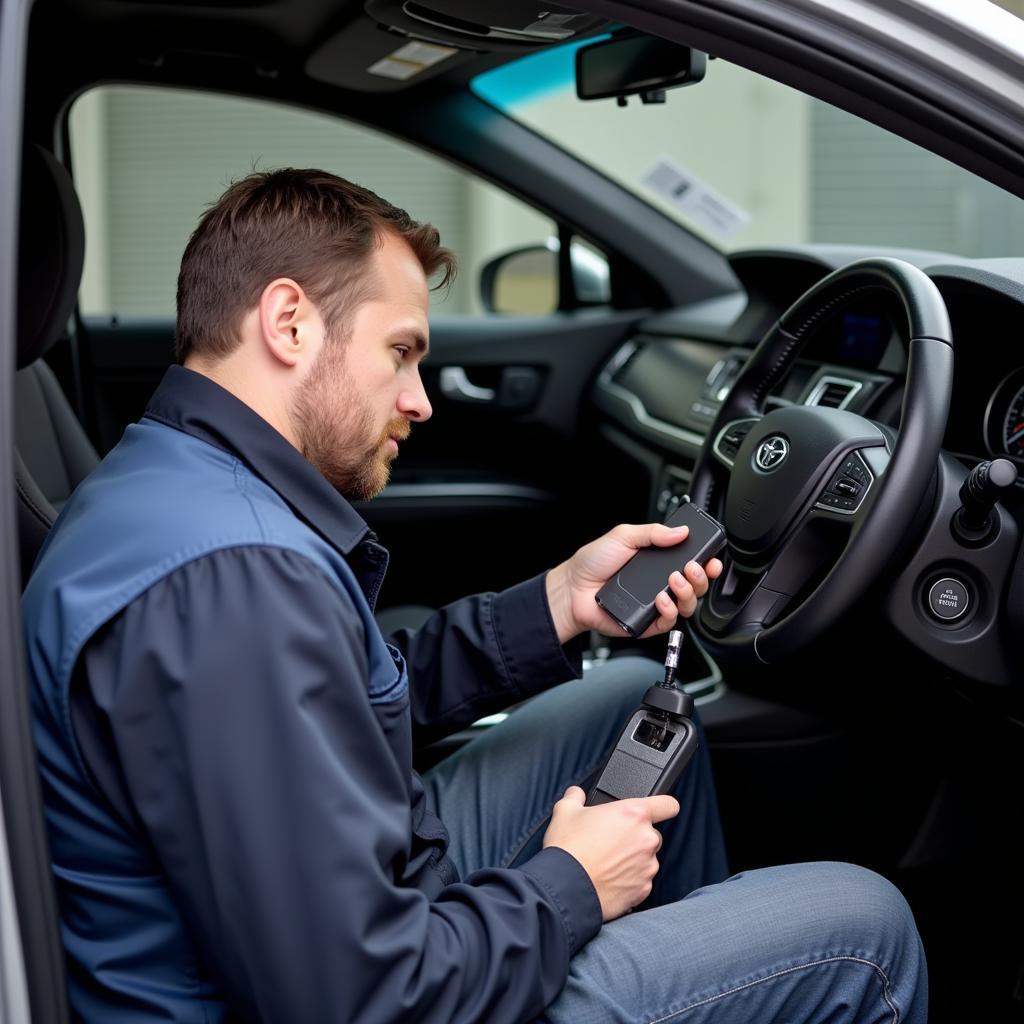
(922, 303)
(51, 253)
(49, 438)
(35, 517)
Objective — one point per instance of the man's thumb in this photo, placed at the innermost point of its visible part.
(576, 795)
(644, 535)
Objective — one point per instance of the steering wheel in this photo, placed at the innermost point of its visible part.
(816, 502)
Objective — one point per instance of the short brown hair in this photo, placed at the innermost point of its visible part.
(308, 225)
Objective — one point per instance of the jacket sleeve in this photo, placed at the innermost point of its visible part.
(482, 654)
(235, 692)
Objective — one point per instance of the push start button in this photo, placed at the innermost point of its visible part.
(948, 599)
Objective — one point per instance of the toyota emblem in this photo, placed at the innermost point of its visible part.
(771, 453)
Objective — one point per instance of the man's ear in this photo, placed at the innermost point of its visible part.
(286, 324)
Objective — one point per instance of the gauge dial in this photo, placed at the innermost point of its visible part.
(1004, 418)
(1013, 426)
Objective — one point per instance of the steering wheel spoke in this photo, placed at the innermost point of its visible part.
(742, 600)
(751, 597)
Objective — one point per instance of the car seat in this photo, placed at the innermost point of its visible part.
(52, 452)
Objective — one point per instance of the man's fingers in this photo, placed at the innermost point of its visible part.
(714, 568)
(695, 573)
(660, 808)
(685, 592)
(666, 603)
(576, 795)
(668, 613)
(663, 536)
(643, 535)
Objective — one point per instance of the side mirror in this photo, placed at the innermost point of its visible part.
(525, 281)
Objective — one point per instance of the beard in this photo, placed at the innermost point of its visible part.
(334, 427)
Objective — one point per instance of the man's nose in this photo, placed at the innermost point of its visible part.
(413, 403)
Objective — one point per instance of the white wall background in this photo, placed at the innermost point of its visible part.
(147, 161)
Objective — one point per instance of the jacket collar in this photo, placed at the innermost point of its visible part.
(191, 402)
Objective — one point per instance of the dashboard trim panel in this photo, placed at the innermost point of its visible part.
(637, 407)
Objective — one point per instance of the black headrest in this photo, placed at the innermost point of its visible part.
(50, 253)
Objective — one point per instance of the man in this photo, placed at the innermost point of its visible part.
(225, 737)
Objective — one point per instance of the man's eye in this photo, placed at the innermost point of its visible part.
(402, 350)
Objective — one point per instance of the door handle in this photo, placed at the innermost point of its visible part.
(457, 386)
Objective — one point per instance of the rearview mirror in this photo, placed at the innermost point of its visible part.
(635, 64)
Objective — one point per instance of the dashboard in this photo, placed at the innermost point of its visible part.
(667, 381)
(659, 393)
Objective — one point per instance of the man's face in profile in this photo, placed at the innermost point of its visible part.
(364, 389)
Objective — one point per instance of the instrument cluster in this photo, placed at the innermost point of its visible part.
(1004, 418)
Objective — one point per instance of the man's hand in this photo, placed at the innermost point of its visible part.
(616, 844)
(572, 585)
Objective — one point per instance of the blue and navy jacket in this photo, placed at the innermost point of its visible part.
(225, 741)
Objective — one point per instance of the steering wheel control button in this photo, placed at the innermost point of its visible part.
(949, 599)
(847, 488)
(853, 467)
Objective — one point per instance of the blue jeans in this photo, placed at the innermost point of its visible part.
(824, 942)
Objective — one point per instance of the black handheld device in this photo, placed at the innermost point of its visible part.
(629, 596)
(657, 743)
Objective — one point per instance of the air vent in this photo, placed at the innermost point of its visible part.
(720, 380)
(834, 396)
(833, 392)
(730, 437)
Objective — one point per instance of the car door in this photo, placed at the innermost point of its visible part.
(31, 960)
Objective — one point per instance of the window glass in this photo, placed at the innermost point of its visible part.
(743, 161)
(148, 161)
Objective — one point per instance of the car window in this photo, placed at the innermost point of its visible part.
(744, 161)
(147, 162)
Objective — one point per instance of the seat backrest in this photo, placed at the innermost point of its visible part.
(52, 450)
(51, 442)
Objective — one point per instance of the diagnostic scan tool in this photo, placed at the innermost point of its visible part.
(629, 597)
(657, 743)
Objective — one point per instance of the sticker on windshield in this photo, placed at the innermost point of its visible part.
(701, 204)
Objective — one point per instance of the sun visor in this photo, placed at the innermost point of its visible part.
(366, 57)
(484, 25)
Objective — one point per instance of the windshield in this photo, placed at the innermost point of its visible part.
(743, 162)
